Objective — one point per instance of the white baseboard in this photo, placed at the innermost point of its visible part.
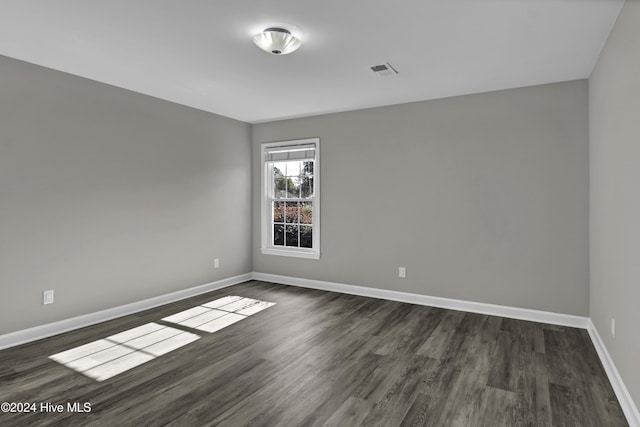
(44, 331)
(452, 304)
(626, 402)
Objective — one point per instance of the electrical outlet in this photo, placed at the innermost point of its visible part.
(613, 327)
(402, 272)
(47, 297)
(216, 263)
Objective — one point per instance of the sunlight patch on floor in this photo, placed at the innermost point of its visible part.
(218, 314)
(105, 358)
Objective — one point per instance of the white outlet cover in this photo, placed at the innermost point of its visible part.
(47, 297)
(216, 263)
(402, 272)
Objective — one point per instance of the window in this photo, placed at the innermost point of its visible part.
(291, 198)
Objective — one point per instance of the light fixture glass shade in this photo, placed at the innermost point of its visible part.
(277, 41)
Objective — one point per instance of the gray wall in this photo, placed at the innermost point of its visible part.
(482, 197)
(614, 117)
(110, 197)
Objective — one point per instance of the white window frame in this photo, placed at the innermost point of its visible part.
(266, 211)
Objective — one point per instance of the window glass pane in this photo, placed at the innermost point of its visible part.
(279, 169)
(307, 168)
(279, 187)
(306, 236)
(306, 213)
(293, 168)
(293, 187)
(278, 235)
(278, 211)
(292, 210)
(291, 235)
(306, 187)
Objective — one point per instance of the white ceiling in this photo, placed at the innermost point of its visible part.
(200, 53)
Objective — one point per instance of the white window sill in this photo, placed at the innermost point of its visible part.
(290, 253)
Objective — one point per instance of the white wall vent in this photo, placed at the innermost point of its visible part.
(384, 70)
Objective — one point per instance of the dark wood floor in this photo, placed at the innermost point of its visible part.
(321, 358)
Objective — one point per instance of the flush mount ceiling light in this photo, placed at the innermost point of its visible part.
(277, 41)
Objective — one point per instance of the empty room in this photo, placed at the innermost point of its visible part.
(335, 213)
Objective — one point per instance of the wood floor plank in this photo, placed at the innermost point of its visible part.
(440, 385)
(439, 341)
(476, 361)
(601, 396)
(543, 400)
(391, 408)
(504, 372)
(320, 358)
(351, 413)
(497, 409)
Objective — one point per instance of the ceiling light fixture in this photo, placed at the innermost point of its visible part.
(277, 41)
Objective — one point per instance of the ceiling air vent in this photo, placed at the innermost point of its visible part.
(384, 70)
